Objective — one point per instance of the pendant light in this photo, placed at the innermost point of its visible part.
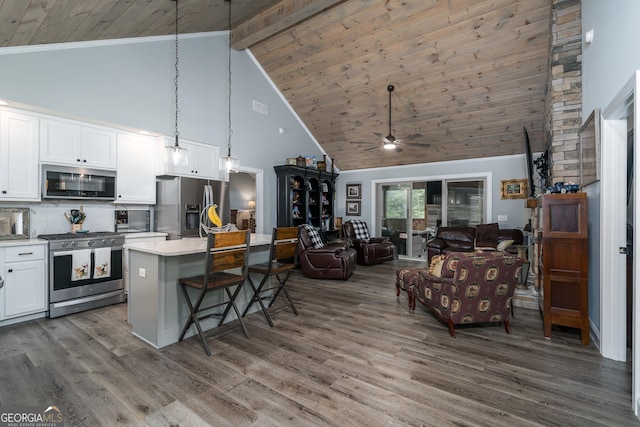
(175, 154)
(389, 140)
(232, 164)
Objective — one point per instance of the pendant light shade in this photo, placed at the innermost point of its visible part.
(231, 164)
(175, 154)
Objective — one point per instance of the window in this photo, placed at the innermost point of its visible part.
(395, 204)
(418, 197)
(410, 212)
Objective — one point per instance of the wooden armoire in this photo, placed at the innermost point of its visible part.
(564, 262)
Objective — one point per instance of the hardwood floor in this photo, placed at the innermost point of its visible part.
(354, 356)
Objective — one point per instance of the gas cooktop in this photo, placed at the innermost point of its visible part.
(73, 236)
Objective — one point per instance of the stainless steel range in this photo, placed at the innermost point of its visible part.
(85, 271)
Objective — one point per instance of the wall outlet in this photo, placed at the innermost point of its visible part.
(502, 218)
(142, 272)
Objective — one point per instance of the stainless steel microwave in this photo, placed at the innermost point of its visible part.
(63, 182)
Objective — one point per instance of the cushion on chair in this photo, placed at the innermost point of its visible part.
(487, 236)
(504, 245)
(360, 229)
(314, 236)
(435, 269)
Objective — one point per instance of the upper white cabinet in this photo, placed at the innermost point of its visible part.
(19, 172)
(136, 179)
(202, 159)
(74, 144)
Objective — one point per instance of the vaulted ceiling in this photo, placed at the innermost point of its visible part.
(468, 75)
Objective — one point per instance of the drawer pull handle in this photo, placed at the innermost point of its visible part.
(1, 282)
(25, 253)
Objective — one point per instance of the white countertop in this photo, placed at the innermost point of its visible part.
(191, 245)
(143, 235)
(22, 242)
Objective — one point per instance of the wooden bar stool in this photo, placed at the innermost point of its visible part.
(225, 251)
(282, 261)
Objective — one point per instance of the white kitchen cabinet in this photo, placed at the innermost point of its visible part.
(19, 172)
(70, 143)
(136, 179)
(23, 281)
(203, 160)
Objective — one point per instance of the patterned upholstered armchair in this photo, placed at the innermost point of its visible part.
(472, 288)
(370, 250)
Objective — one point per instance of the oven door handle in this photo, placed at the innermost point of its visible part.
(62, 253)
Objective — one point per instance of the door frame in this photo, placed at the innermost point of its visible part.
(259, 174)
(486, 176)
(613, 196)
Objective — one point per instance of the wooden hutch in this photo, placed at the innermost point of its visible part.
(306, 196)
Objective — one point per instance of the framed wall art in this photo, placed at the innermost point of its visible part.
(514, 188)
(354, 207)
(354, 191)
(590, 149)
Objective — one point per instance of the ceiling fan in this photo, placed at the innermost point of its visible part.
(390, 142)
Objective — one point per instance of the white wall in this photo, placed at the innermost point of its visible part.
(130, 83)
(608, 62)
(607, 65)
(499, 168)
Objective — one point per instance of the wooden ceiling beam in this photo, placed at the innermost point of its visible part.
(275, 19)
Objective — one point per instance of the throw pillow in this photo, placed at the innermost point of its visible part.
(360, 229)
(504, 245)
(316, 240)
(487, 236)
(435, 269)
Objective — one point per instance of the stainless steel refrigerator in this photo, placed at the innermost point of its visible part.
(180, 201)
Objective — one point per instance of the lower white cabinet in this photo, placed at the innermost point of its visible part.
(23, 281)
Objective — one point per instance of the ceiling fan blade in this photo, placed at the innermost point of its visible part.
(379, 136)
(418, 144)
(399, 150)
(412, 136)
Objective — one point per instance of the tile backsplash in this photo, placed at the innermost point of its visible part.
(48, 217)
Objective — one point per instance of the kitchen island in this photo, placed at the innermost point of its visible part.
(157, 310)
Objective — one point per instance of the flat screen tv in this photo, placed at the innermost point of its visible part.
(527, 150)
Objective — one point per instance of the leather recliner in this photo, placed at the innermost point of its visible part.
(334, 260)
(370, 250)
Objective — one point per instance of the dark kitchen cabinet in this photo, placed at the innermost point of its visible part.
(564, 262)
(305, 196)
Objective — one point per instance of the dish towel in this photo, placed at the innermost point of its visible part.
(80, 262)
(102, 258)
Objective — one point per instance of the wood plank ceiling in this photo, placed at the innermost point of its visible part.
(468, 75)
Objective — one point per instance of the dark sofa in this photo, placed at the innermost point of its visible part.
(463, 239)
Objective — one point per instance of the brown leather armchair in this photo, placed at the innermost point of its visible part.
(318, 260)
(370, 250)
